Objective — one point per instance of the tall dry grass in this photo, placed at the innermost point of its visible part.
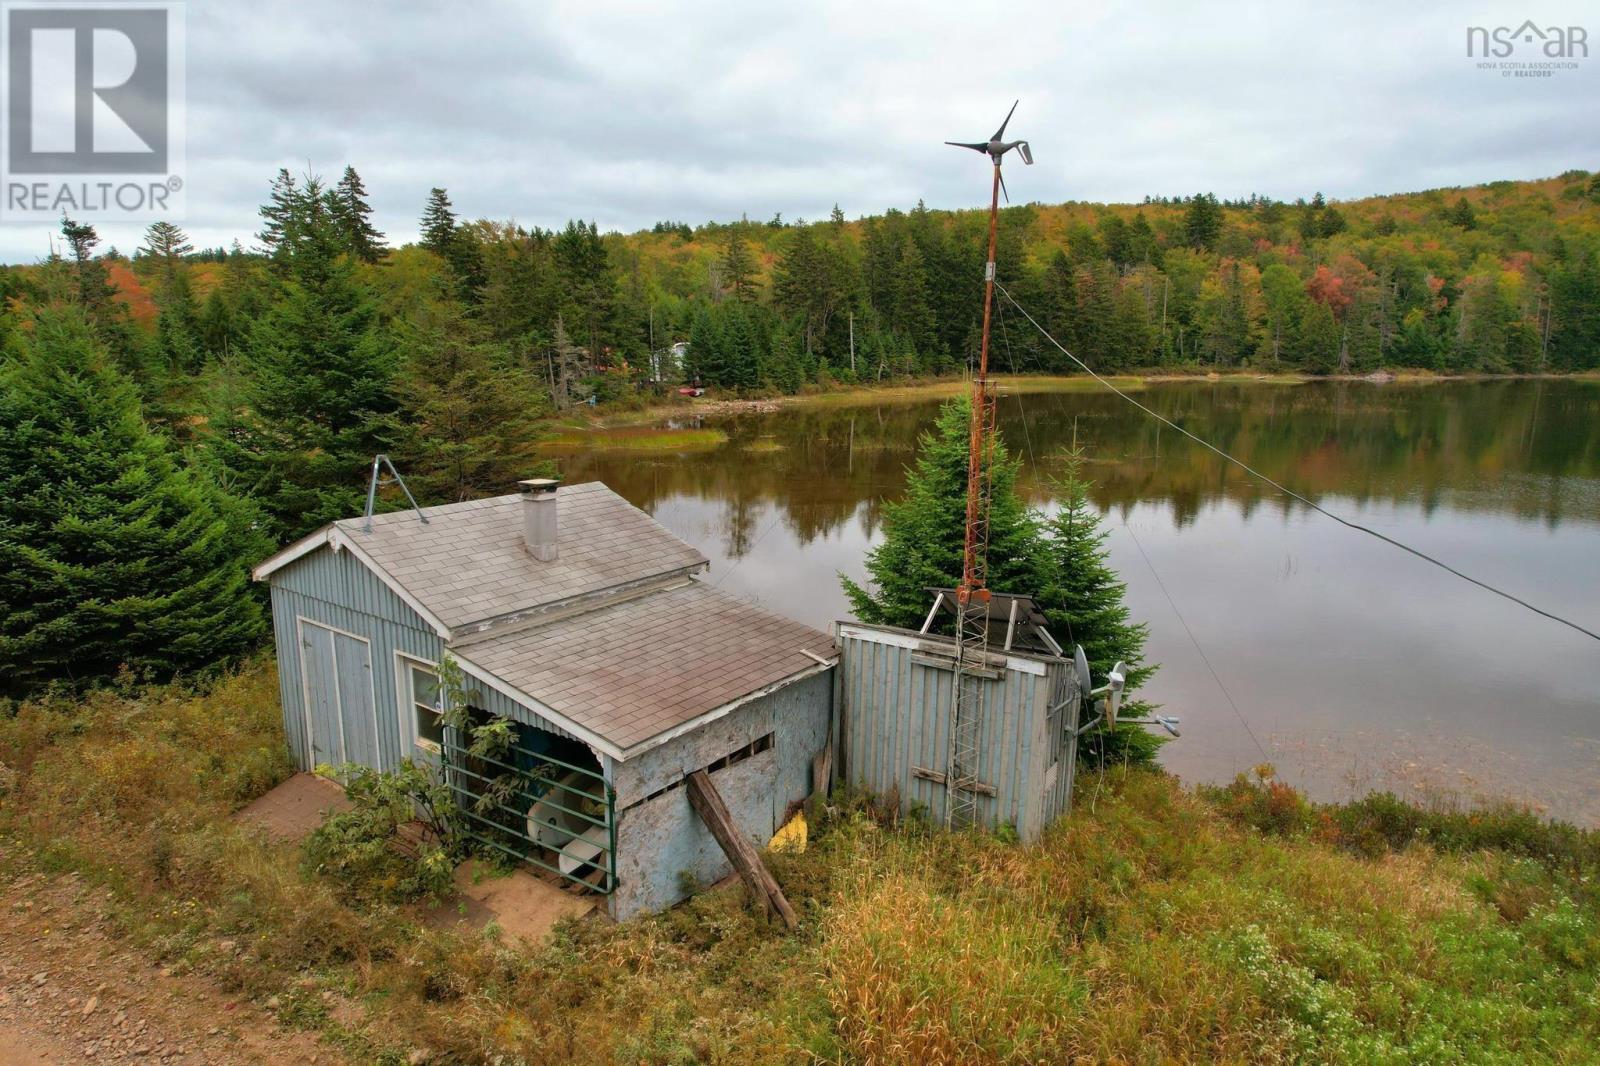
(1155, 924)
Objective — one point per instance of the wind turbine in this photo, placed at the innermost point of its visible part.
(972, 596)
(994, 148)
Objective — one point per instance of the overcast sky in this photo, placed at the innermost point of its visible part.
(627, 113)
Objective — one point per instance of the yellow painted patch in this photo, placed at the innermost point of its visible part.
(792, 837)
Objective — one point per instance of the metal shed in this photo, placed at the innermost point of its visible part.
(895, 695)
(579, 618)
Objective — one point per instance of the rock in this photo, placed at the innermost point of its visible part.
(40, 978)
(90, 1007)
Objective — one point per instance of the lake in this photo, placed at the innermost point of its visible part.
(1282, 636)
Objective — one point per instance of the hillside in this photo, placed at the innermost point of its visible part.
(1491, 278)
(1500, 277)
(1153, 924)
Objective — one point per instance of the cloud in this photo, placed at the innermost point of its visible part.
(626, 116)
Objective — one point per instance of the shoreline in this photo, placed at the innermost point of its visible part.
(714, 405)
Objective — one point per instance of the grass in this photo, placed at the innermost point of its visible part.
(1155, 924)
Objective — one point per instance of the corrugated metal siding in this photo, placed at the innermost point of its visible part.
(896, 716)
(335, 589)
(1058, 798)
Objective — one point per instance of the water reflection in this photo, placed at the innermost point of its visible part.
(1353, 665)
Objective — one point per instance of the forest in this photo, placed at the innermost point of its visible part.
(232, 399)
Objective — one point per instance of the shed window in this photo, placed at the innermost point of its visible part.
(426, 707)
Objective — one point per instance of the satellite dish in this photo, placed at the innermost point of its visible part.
(1118, 680)
(1080, 661)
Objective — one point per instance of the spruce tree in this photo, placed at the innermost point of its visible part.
(738, 265)
(1060, 561)
(469, 420)
(443, 235)
(589, 286)
(177, 327)
(438, 224)
(352, 217)
(1083, 600)
(925, 530)
(703, 365)
(1084, 597)
(1202, 222)
(94, 289)
(166, 245)
(317, 401)
(113, 553)
(278, 217)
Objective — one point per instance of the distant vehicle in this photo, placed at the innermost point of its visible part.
(691, 390)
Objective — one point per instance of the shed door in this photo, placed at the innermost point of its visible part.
(340, 708)
(318, 664)
(357, 717)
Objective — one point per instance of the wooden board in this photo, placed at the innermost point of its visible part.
(707, 803)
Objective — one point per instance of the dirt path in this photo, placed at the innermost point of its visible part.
(71, 992)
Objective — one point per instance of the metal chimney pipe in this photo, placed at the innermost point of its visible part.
(539, 516)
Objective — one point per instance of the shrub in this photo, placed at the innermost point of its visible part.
(1265, 803)
(359, 849)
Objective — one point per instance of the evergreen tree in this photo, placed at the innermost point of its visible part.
(742, 351)
(1318, 342)
(1575, 314)
(1462, 215)
(112, 552)
(1084, 604)
(910, 310)
(1332, 223)
(278, 217)
(177, 326)
(469, 416)
(317, 400)
(1084, 599)
(352, 216)
(588, 284)
(924, 531)
(704, 364)
(738, 266)
(443, 235)
(806, 283)
(439, 224)
(94, 289)
(1202, 222)
(166, 245)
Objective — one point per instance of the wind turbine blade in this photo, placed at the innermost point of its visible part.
(963, 144)
(1027, 153)
(1003, 190)
(1001, 132)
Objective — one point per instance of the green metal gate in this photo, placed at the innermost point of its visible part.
(535, 808)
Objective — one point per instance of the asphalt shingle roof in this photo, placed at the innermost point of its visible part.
(469, 563)
(633, 670)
